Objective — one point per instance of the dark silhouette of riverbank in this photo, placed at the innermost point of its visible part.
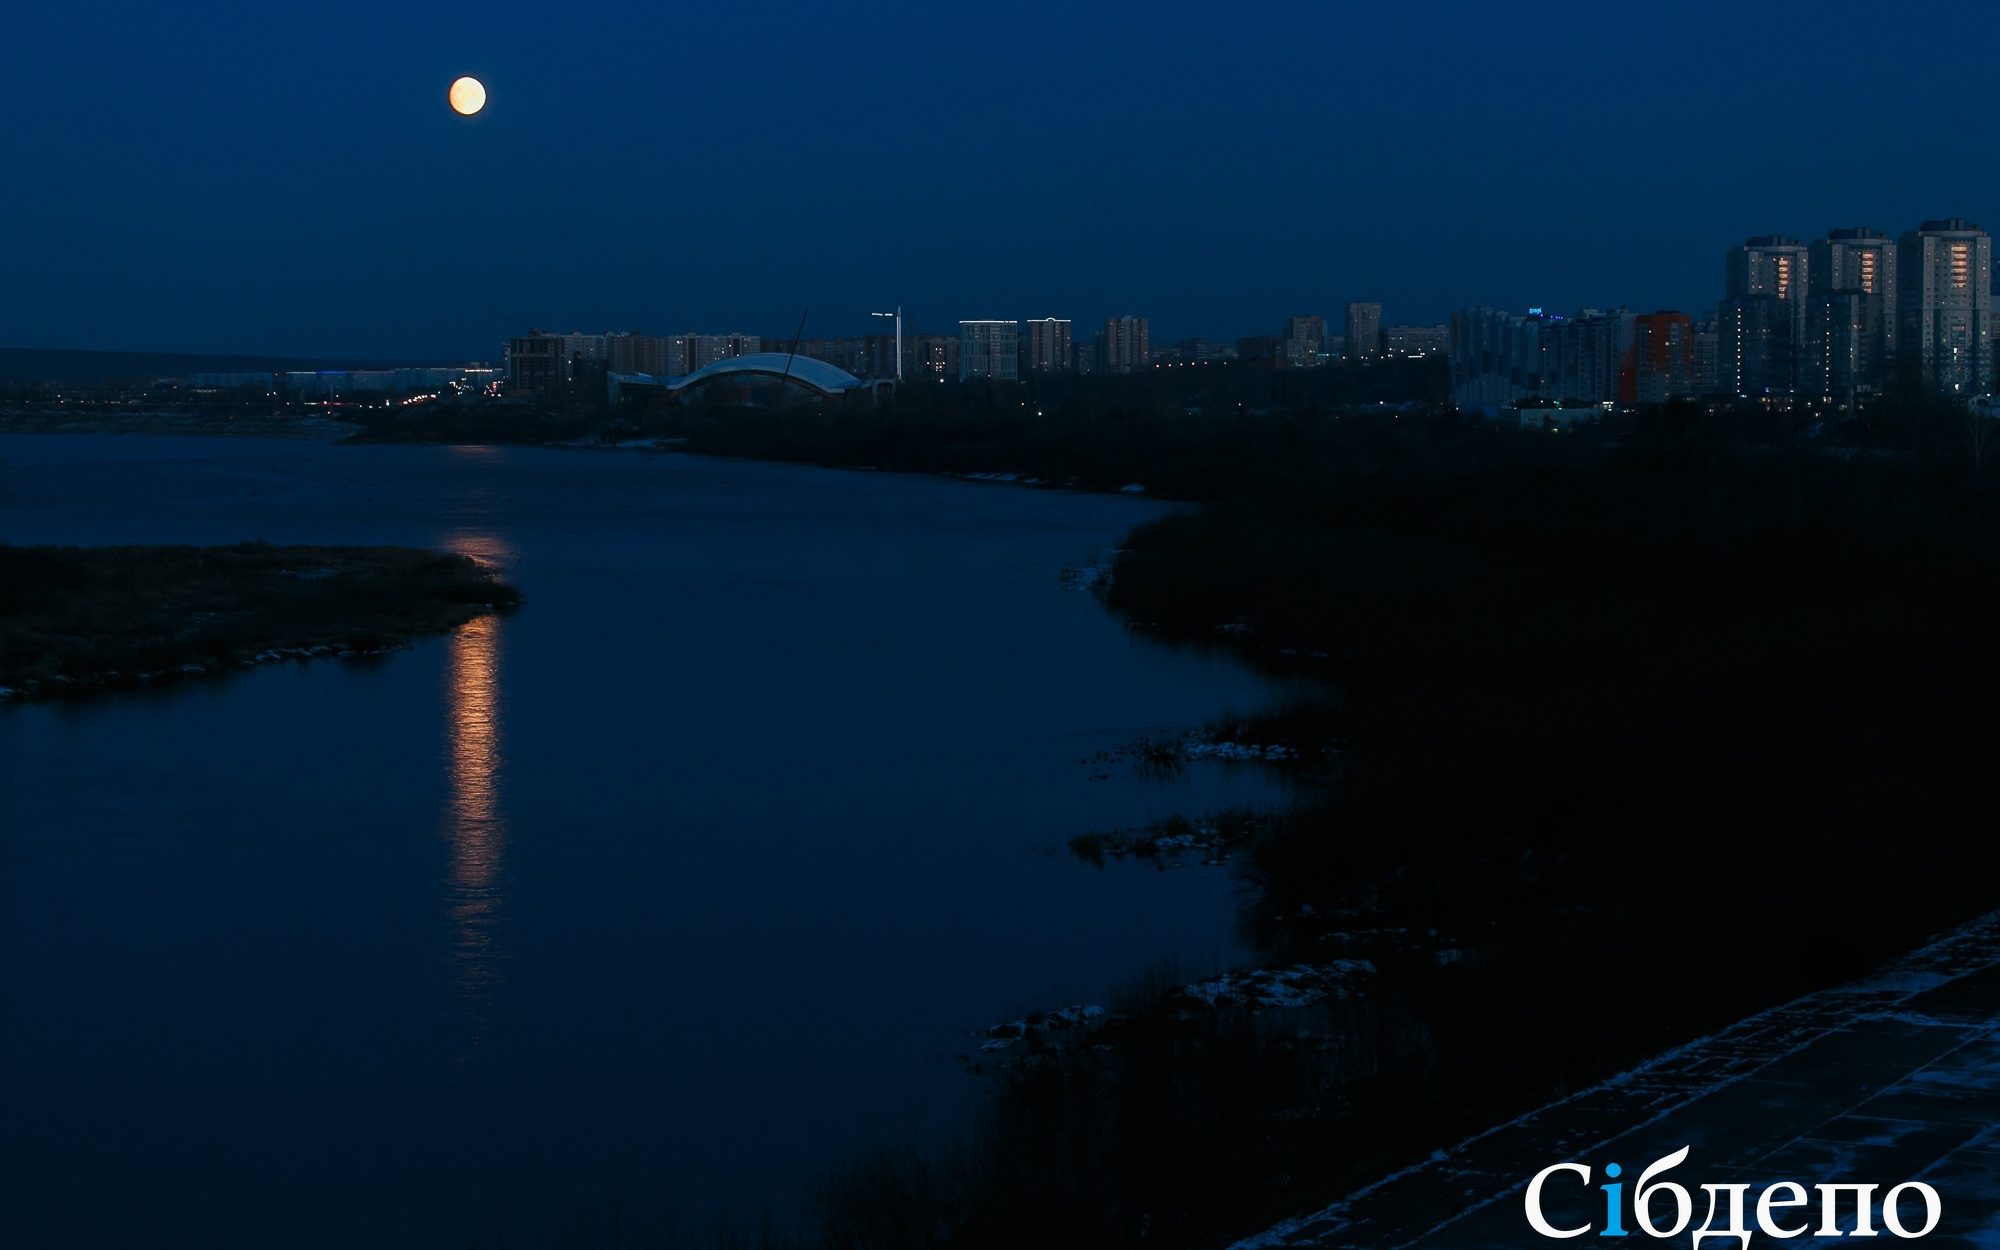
(81, 619)
(1639, 729)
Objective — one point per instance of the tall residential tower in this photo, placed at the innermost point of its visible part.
(1850, 315)
(989, 349)
(1944, 304)
(1125, 346)
(1048, 349)
(1364, 331)
(1763, 317)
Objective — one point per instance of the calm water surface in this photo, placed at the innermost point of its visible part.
(673, 889)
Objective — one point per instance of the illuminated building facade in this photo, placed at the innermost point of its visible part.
(1048, 346)
(1774, 267)
(989, 349)
(1851, 315)
(1416, 340)
(1304, 342)
(1944, 289)
(1125, 346)
(1364, 331)
(1658, 360)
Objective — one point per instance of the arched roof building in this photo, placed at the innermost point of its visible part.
(805, 372)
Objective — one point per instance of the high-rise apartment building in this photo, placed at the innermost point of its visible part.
(1850, 315)
(1658, 363)
(1944, 292)
(1844, 330)
(704, 350)
(989, 349)
(541, 365)
(933, 356)
(1364, 331)
(1496, 357)
(1707, 367)
(878, 357)
(1048, 346)
(1583, 356)
(537, 366)
(593, 348)
(1303, 343)
(1858, 259)
(1125, 345)
(1416, 340)
(850, 355)
(652, 354)
(1748, 357)
(1776, 267)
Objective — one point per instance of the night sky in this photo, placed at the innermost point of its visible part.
(288, 178)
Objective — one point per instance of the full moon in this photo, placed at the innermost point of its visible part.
(468, 96)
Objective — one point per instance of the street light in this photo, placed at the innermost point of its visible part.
(898, 315)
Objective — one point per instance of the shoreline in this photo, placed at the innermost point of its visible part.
(340, 433)
(62, 687)
(167, 424)
(1470, 594)
(81, 621)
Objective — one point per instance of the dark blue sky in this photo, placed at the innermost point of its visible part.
(288, 179)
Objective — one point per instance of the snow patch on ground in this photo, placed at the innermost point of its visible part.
(1262, 989)
(1256, 989)
(1166, 755)
(1201, 747)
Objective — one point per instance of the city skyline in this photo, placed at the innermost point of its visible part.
(1814, 323)
(1391, 313)
(1791, 269)
(345, 210)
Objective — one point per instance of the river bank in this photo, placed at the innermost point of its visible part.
(75, 620)
(1891, 1076)
(178, 422)
(1588, 687)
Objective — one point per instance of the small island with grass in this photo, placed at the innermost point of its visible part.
(80, 619)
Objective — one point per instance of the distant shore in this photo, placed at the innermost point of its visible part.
(76, 620)
(183, 422)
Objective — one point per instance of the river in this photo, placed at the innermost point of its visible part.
(666, 893)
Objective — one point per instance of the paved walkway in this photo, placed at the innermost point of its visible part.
(1892, 1079)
